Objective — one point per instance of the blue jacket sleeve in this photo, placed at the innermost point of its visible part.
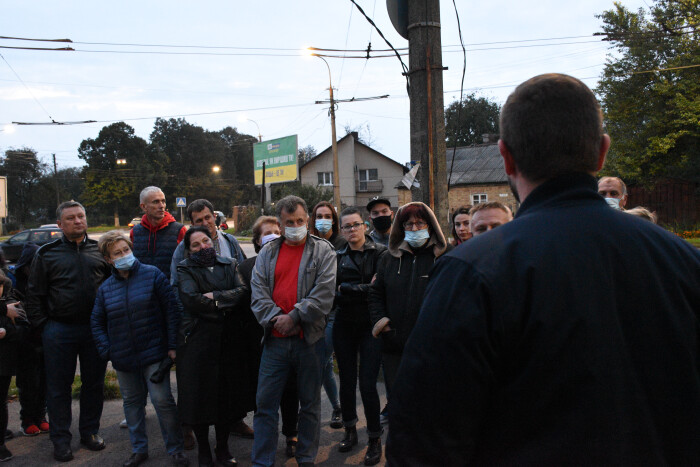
(446, 372)
(98, 323)
(169, 307)
(235, 248)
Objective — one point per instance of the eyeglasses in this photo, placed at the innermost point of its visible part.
(420, 225)
(350, 227)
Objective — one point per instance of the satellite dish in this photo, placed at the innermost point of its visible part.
(398, 13)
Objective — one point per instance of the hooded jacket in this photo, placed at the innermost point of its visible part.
(396, 295)
(155, 244)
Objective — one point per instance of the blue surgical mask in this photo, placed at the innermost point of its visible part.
(295, 234)
(268, 238)
(125, 262)
(324, 225)
(613, 202)
(416, 238)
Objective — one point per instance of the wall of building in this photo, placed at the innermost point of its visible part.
(461, 195)
(387, 170)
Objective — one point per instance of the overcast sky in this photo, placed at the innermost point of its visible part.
(249, 64)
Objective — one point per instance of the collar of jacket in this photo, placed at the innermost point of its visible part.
(561, 189)
(82, 243)
(132, 270)
(167, 220)
(368, 245)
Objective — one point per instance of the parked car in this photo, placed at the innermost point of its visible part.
(134, 221)
(12, 247)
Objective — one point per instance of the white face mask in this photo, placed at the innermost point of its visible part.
(268, 238)
(613, 202)
(295, 234)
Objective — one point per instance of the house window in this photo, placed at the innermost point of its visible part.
(367, 175)
(325, 178)
(480, 198)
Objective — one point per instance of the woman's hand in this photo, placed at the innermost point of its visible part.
(3, 333)
(209, 295)
(13, 312)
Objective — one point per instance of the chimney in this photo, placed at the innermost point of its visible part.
(355, 135)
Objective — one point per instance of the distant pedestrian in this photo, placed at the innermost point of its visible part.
(63, 283)
(352, 334)
(134, 323)
(211, 378)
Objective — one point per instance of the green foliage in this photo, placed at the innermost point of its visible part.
(478, 116)
(309, 193)
(652, 116)
(24, 171)
(111, 387)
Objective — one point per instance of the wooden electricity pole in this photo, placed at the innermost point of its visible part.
(427, 106)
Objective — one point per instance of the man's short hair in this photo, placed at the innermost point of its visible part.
(618, 179)
(65, 205)
(257, 229)
(147, 191)
(350, 211)
(289, 204)
(490, 205)
(199, 205)
(110, 238)
(552, 125)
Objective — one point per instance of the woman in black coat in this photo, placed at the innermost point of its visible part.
(208, 373)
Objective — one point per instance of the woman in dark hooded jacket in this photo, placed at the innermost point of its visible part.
(415, 243)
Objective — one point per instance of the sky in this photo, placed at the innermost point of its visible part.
(242, 63)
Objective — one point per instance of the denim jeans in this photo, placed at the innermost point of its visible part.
(350, 340)
(329, 383)
(63, 344)
(280, 356)
(134, 386)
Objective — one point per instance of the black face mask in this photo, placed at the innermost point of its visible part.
(382, 223)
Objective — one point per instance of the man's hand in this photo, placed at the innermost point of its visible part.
(171, 354)
(387, 328)
(209, 295)
(284, 324)
(14, 312)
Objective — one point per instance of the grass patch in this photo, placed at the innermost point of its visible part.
(694, 241)
(111, 388)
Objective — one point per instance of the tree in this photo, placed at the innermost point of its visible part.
(306, 154)
(111, 171)
(309, 193)
(651, 94)
(23, 171)
(478, 115)
(239, 158)
(70, 186)
(364, 133)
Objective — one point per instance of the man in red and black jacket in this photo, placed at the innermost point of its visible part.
(158, 234)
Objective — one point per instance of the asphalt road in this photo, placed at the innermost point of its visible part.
(38, 450)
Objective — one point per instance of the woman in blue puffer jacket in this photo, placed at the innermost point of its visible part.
(134, 323)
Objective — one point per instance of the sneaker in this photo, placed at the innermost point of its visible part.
(44, 426)
(337, 418)
(31, 430)
(123, 424)
(5, 454)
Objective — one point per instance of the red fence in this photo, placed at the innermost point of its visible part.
(674, 201)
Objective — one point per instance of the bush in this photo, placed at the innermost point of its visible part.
(111, 387)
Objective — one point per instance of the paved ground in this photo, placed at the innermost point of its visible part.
(37, 451)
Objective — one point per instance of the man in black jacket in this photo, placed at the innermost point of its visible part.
(567, 336)
(63, 282)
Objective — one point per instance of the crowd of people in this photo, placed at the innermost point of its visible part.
(567, 335)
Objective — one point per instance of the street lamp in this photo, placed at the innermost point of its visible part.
(216, 169)
(336, 176)
(121, 161)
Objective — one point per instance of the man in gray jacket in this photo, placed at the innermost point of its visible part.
(293, 286)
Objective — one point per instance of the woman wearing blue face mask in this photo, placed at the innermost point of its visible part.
(134, 323)
(396, 294)
(323, 223)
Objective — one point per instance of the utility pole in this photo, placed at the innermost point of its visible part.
(427, 106)
(336, 172)
(55, 178)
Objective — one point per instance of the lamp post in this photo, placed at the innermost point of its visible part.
(336, 176)
(256, 124)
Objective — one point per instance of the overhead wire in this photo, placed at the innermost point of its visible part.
(461, 96)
